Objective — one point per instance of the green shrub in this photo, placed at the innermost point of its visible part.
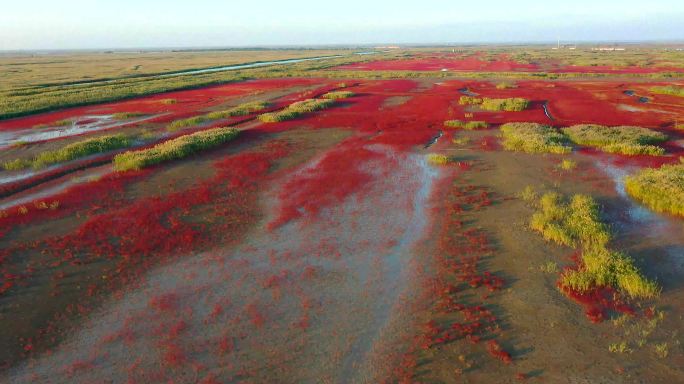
(338, 95)
(669, 90)
(533, 138)
(126, 115)
(437, 159)
(568, 165)
(297, 109)
(63, 123)
(174, 149)
(660, 189)
(528, 194)
(82, 149)
(515, 104)
(240, 110)
(577, 224)
(624, 139)
(16, 165)
(469, 125)
(72, 151)
(469, 100)
(505, 85)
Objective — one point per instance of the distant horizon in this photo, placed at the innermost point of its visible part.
(130, 24)
(351, 46)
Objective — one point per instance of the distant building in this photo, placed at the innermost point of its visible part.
(608, 49)
(564, 46)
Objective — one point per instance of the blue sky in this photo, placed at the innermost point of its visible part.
(69, 24)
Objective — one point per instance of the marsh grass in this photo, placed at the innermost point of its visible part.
(626, 140)
(174, 149)
(460, 140)
(297, 109)
(126, 115)
(515, 104)
(71, 152)
(470, 100)
(63, 123)
(567, 165)
(660, 189)
(338, 95)
(505, 85)
(669, 90)
(240, 110)
(577, 224)
(528, 194)
(437, 159)
(533, 138)
(662, 350)
(468, 125)
(16, 164)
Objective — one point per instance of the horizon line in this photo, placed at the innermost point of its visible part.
(351, 45)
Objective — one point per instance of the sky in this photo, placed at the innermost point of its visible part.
(95, 24)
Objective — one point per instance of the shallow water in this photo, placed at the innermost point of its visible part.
(466, 92)
(546, 110)
(79, 178)
(258, 294)
(88, 123)
(231, 67)
(636, 212)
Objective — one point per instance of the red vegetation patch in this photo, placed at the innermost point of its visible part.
(188, 102)
(336, 176)
(599, 302)
(460, 311)
(496, 350)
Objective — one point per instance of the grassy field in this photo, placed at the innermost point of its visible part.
(28, 70)
(24, 92)
(418, 226)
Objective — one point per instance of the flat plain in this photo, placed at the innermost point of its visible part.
(427, 215)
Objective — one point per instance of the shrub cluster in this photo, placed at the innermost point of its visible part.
(240, 110)
(72, 151)
(469, 100)
(577, 224)
(533, 138)
(469, 125)
(669, 90)
(437, 159)
(297, 109)
(126, 115)
(660, 189)
(515, 104)
(338, 95)
(174, 149)
(624, 139)
(505, 85)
